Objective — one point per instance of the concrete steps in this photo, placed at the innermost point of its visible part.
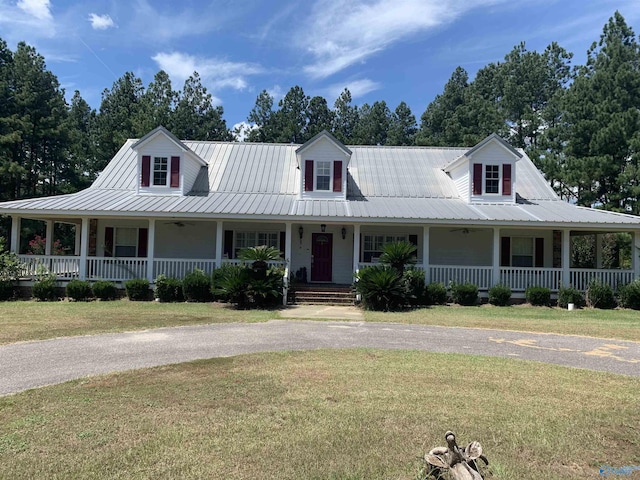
(322, 295)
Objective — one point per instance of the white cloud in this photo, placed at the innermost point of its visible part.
(357, 88)
(369, 27)
(39, 9)
(101, 22)
(215, 73)
(171, 25)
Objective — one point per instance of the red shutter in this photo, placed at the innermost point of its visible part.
(505, 252)
(108, 242)
(477, 179)
(143, 241)
(283, 241)
(308, 176)
(539, 260)
(506, 179)
(337, 176)
(175, 172)
(227, 244)
(146, 171)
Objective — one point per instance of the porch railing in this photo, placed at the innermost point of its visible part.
(480, 276)
(179, 267)
(416, 266)
(64, 268)
(519, 278)
(116, 269)
(581, 277)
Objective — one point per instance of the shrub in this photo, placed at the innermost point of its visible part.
(45, 288)
(168, 289)
(630, 295)
(137, 289)
(381, 288)
(196, 286)
(6, 290)
(435, 294)
(267, 291)
(398, 254)
(232, 284)
(104, 290)
(538, 296)
(414, 286)
(464, 293)
(600, 295)
(567, 295)
(78, 290)
(499, 295)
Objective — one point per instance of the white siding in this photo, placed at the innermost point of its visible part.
(461, 179)
(546, 234)
(493, 153)
(192, 240)
(115, 222)
(453, 246)
(324, 150)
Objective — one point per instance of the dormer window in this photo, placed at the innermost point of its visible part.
(160, 169)
(492, 179)
(323, 176)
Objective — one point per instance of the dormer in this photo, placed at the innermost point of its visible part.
(323, 163)
(487, 172)
(166, 166)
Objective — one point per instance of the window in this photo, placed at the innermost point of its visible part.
(521, 252)
(492, 179)
(126, 242)
(254, 239)
(160, 168)
(323, 175)
(372, 248)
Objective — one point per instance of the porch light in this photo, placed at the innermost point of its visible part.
(344, 233)
(301, 232)
(323, 228)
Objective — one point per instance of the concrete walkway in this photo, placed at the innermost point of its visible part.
(331, 312)
(33, 364)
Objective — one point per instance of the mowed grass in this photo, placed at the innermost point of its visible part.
(357, 414)
(31, 320)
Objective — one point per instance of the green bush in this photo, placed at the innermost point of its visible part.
(414, 286)
(381, 288)
(45, 288)
(6, 290)
(196, 286)
(104, 290)
(232, 283)
(499, 295)
(267, 291)
(600, 295)
(567, 295)
(435, 294)
(397, 255)
(538, 296)
(630, 295)
(168, 289)
(78, 290)
(137, 289)
(464, 294)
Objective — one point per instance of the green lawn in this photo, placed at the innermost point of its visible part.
(358, 414)
(30, 320)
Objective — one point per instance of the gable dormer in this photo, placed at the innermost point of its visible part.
(487, 172)
(323, 163)
(166, 166)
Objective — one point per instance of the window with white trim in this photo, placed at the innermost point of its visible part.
(372, 245)
(492, 179)
(522, 250)
(254, 239)
(160, 170)
(126, 242)
(323, 175)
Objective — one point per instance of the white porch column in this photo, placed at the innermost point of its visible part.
(425, 254)
(151, 243)
(78, 239)
(219, 234)
(566, 257)
(598, 250)
(15, 233)
(496, 256)
(287, 259)
(84, 247)
(48, 237)
(635, 254)
(356, 247)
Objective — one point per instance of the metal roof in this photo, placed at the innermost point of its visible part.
(384, 184)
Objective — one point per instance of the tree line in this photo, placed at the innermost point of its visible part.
(580, 124)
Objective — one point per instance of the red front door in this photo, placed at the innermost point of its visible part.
(321, 257)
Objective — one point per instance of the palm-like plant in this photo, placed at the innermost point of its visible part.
(398, 254)
(381, 288)
(259, 256)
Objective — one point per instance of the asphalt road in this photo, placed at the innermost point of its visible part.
(27, 365)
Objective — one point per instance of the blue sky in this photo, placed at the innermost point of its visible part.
(392, 50)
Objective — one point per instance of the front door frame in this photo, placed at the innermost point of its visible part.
(321, 258)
